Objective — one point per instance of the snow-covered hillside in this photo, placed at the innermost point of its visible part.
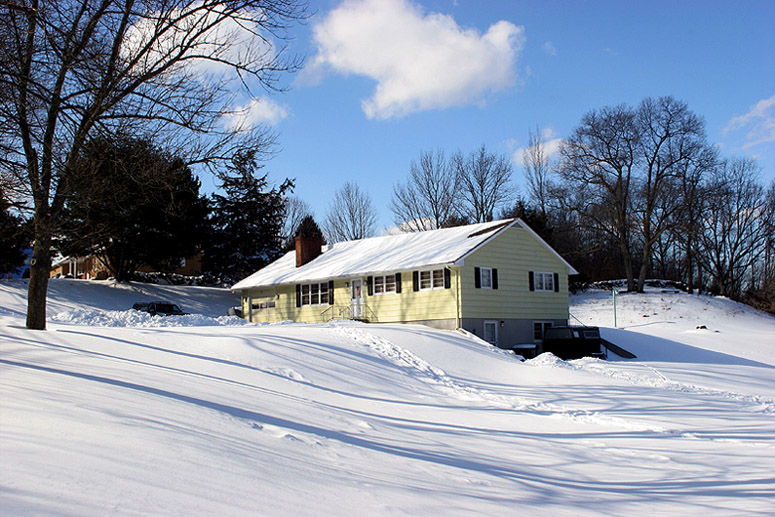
(109, 412)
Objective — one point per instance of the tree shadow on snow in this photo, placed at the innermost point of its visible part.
(542, 486)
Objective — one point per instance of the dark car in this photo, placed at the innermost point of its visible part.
(159, 308)
(573, 342)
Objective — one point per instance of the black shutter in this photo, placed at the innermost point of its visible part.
(330, 292)
(370, 285)
(447, 278)
(531, 281)
(494, 278)
(298, 295)
(415, 280)
(556, 283)
(398, 282)
(477, 278)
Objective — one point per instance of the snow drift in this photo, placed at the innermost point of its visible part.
(110, 412)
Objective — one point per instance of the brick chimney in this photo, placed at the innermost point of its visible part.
(308, 249)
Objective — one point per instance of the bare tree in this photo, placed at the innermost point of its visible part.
(296, 209)
(694, 191)
(535, 159)
(671, 138)
(351, 215)
(598, 168)
(484, 180)
(74, 68)
(427, 200)
(736, 226)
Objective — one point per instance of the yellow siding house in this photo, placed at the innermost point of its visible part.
(497, 280)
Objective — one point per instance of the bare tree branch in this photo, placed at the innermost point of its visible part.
(484, 179)
(351, 215)
(427, 199)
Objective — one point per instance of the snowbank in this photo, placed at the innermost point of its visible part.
(133, 318)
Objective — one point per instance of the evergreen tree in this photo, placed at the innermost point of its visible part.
(537, 220)
(246, 223)
(130, 203)
(14, 238)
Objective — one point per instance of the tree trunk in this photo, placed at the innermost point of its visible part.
(40, 268)
(644, 266)
(689, 266)
(627, 258)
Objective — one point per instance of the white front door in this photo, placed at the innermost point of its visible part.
(356, 299)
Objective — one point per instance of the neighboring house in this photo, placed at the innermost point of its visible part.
(78, 267)
(92, 266)
(498, 280)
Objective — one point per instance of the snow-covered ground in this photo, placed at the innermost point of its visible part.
(112, 412)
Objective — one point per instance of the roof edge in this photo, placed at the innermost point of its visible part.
(342, 277)
(571, 269)
(503, 227)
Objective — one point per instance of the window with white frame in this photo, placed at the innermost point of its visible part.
(485, 277)
(539, 329)
(544, 281)
(431, 279)
(438, 279)
(491, 331)
(314, 294)
(384, 284)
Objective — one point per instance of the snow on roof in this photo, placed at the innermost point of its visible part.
(384, 254)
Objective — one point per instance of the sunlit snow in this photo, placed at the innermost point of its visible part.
(111, 411)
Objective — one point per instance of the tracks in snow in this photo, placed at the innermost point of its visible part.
(637, 374)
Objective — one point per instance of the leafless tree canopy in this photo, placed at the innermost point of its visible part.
(296, 209)
(535, 159)
(427, 199)
(484, 180)
(671, 138)
(736, 225)
(74, 68)
(351, 215)
(693, 191)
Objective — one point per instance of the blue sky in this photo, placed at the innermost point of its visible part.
(388, 79)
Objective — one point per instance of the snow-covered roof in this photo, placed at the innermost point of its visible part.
(389, 253)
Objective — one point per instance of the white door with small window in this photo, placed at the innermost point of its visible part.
(356, 299)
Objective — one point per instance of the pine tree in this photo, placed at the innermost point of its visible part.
(130, 203)
(14, 238)
(245, 223)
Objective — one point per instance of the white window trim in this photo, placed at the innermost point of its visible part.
(543, 275)
(544, 324)
(431, 288)
(385, 284)
(484, 332)
(481, 277)
(310, 304)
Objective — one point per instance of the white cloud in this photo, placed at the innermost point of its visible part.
(759, 123)
(419, 61)
(258, 111)
(549, 48)
(551, 144)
